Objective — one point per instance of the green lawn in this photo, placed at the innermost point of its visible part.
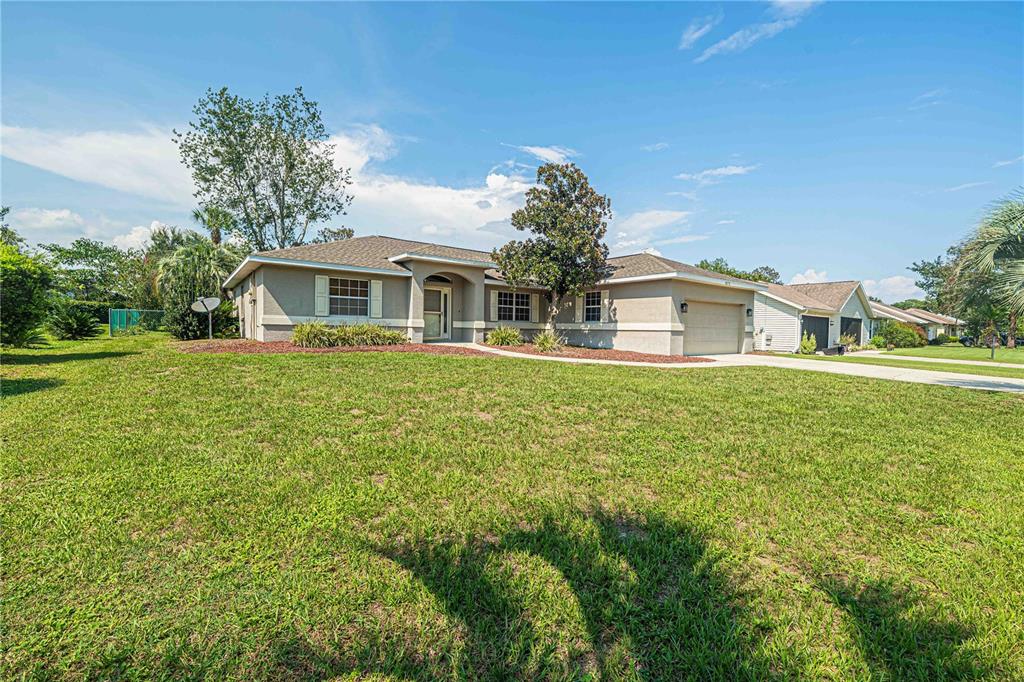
(896, 361)
(304, 516)
(958, 352)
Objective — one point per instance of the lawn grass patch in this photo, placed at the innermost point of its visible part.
(958, 352)
(171, 514)
(980, 370)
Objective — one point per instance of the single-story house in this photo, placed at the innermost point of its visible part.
(783, 313)
(932, 323)
(432, 292)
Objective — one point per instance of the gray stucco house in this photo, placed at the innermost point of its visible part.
(432, 292)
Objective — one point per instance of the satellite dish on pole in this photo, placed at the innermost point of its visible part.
(207, 305)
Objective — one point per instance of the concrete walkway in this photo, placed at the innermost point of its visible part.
(918, 358)
(917, 376)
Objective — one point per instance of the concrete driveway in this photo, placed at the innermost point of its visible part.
(917, 376)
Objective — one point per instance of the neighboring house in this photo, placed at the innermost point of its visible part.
(432, 292)
(783, 313)
(932, 323)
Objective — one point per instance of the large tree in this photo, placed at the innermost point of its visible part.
(192, 271)
(761, 273)
(8, 235)
(267, 162)
(88, 270)
(568, 220)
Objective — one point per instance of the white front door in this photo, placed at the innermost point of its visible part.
(437, 313)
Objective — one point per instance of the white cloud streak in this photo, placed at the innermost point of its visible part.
(697, 29)
(552, 154)
(1008, 162)
(656, 147)
(966, 185)
(786, 14)
(712, 175)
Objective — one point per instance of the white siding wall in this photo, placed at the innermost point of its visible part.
(852, 308)
(777, 321)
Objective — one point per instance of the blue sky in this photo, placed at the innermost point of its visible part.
(829, 140)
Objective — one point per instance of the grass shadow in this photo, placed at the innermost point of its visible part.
(18, 386)
(901, 636)
(652, 599)
(52, 358)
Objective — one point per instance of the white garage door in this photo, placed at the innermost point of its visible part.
(712, 328)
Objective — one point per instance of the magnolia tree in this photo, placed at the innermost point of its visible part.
(568, 220)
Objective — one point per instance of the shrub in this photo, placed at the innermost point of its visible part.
(902, 334)
(847, 340)
(547, 341)
(504, 336)
(808, 344)
(313, 335)
(69, 322)
(184, 323)
(23, 297)
(878, 342)
(319, 335)
(100, 310)
(367, 335)
(952, 339)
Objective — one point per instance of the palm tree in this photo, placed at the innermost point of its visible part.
(214, 219)
(997, 247)
(196, 269)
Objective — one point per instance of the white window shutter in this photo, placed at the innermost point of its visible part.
(321, 305)
(604, 305)
(494, 306)
(376, 307)
(534, 307)
(579, 309)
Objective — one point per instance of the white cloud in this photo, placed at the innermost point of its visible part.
(809, 276)
(725, 222)
(928, 99)
(637, 229)
(692, 196)
(553, 154)
(891, 289)
(143, 162)
(966, 185)
(786, 15)
(656, 147)
(137, 237)
(651, 250)
(683, 239)
(44, 219)
(697, 29)
(146, 164)
(1008, 162)
(712, 175)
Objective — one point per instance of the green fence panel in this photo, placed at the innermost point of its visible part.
(122, 319)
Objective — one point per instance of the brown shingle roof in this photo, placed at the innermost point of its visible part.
(832, 294)
(794, 295)
(374, 252)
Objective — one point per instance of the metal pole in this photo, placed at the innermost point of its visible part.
(209, 322)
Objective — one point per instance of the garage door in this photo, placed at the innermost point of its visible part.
(712, 328)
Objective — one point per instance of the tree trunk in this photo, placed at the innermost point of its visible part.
(1011, 337)
(553, 309)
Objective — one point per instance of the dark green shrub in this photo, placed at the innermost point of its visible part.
(69, 322)
(100, 310)
(902, 334)
(313, 335)
(504, 336)
(24, 288)
(808, 344)
(184, 323)
(878, 342)
(547, 341)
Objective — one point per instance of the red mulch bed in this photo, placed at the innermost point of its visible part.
(603, 354)
(247, 346)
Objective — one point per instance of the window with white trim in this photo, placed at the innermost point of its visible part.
(513, 307)
(592, 306)
(349, 297)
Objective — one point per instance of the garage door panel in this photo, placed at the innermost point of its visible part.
(712, 328)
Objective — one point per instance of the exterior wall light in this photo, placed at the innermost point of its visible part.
(684, 306)
(750, 312)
